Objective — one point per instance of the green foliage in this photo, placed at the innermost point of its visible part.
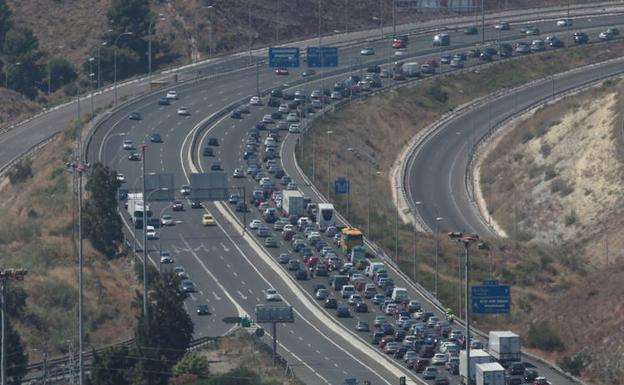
(436, 94)
(61, 72)
(21, 171)
(192, 363)
(102, 225)
(542, 336)
(17, 360)
(129, 16)
(15, 300)
(575, 364)
(239, 376)
(5, 22)
(20, 60)
(56, 293)
(20, 42)
(116, 365)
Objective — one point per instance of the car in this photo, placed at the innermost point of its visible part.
(134, 116)
(135, 156)
(164, 101)
(183, 111)
(471, 30)
(291, 186)
(283, 258)
(301, 275)
(241, 207)
(127, 145)
(255, 101)
(272, 295)
(208, 220)
(564, 22)
(378, 299)
(185, 190)
(538, 45)
(522, 48)
(155, 138)
(216, 166)
(270, 242)
(243, 109)
(213, 142)
(294, 128)
(330, 303)
(195, 204)
(400, 52)
(238, 173)
(120, 177)
(604, 36)
(165, 257)
(267, 119)
(293, 265)
(254, 224)
(281, 71)
(188, 287)
(171, 94)
(541, 381)
(203, 309)
(208, 151)
(343, 312)
(442, 381)
(177, 206)
(445, 59)
(502, 26)
(580, 38)
(292, 117)
(150, 232)
(430, 373)
(530, 374)
(439, 359)
(166, 220)
(554, 42)
(531, 31)
(307, 73)
(367, 51)
(321, 294)
(362, 326)
(361, 307)
(397, 44)
(236, 114)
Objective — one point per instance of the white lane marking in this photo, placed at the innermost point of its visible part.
(250, 291)
(227, 264)
(224, 247)
(235, 273)
(243, 283)
(241, 295)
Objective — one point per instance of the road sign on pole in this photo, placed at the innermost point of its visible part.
(491, 299)
(283, 57)
(323, 57)
(341, 186)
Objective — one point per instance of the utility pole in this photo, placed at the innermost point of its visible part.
(483, 21)
(7, 275)
(145, 311)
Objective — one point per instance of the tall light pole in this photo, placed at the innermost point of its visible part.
(99, 75)
(381, 17)
(149, 43)
(371, 162)
(417, 203)
(210, 9)
(466, 240)
(482, 21)
(7, 275)
(435, 290)
(145, 310)
(146, 203)
(329, 132)
(115, 65)
(91, 75)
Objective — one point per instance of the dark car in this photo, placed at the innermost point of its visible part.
(134, 116)
(216, 166)
(362, 326)
(515, 369)
(530, 374)
(188, 287)
(276, 93)
(330, 303)
(163, 101)
(307, 73)
(241, 207)
(273, 102)
(420, 365)
(472, 30)
(581, 38)
(375, 69)
(196, 204)
(208, 151)
(213, 141)
(387, 329)
(301, 275)
(236, 114)
(514, 380)
(442, 381)
(343, 312)
(155, 138)
(361, 307)
(177, 206)
(203, 309)
(134, 156)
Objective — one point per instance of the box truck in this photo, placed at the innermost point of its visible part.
(477, 356)
(411, 69)
(504, 346)
(491, 373)
(292, 203)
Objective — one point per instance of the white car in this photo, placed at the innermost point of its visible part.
(121, 178)
(185, 190)
(291, 186)
(564, 23)
(439, 359)
(267, 119)
(294, 128)
(255, 101)
(400, 52)
(272, 295)
(166, 220)
(172, 94)
(151, 232)
(183, 111)
(367, 51)
(283, 108)
(336, 95)
(255, 224)
(292, 117)
(127, 145)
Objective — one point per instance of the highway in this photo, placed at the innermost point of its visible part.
(231, 270)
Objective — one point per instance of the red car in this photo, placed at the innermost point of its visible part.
(431, 62)
(541, 381)
(399, 44)
(281, 71)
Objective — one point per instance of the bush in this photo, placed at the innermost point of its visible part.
(21, 171)
(570, 219)
(436, 94)
(61, 73)
(549, 174)
(192, 363)
(575, 364)
(542, 336)
(546, 150)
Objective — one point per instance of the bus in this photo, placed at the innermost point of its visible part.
(350, 238)
(325, 216)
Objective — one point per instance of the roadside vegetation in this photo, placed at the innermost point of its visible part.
(539, 272)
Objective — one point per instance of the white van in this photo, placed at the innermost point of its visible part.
(373, 267)
(347, 290)
(400, 294)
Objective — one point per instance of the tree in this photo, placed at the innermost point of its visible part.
(129, 16)
(20, 60)
(101, 221)
(115, 366)
(170, 328)
(5, 22)
(17, 360)
(61, 72)
(192, 363)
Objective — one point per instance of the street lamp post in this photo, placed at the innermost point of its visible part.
(7, 275)
(371, 162)
(149, 43)
(435, 290)
(417, 203)
(146, 249)
(115, 65)
(91, 75)
(145, 310)
(329, 132)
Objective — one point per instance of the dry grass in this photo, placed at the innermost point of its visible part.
(38, 236)
(538, 273)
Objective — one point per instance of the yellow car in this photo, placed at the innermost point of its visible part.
(208, 220)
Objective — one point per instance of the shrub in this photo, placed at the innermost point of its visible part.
(570, 219)
(545, 150)
(549, 174)
(542, 336)
(21, 171)
(575, 364)
(526, 136)
(436, 94)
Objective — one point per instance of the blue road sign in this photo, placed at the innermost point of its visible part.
(284, 57)
(489, 282)
(324, 57)
(341, 186)
(491, 299)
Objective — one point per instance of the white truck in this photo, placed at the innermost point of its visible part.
(293, 203)
(491, 373)
(477, 356)
(135, 209)
(504, 346)
(411, 69)
(400, 294)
